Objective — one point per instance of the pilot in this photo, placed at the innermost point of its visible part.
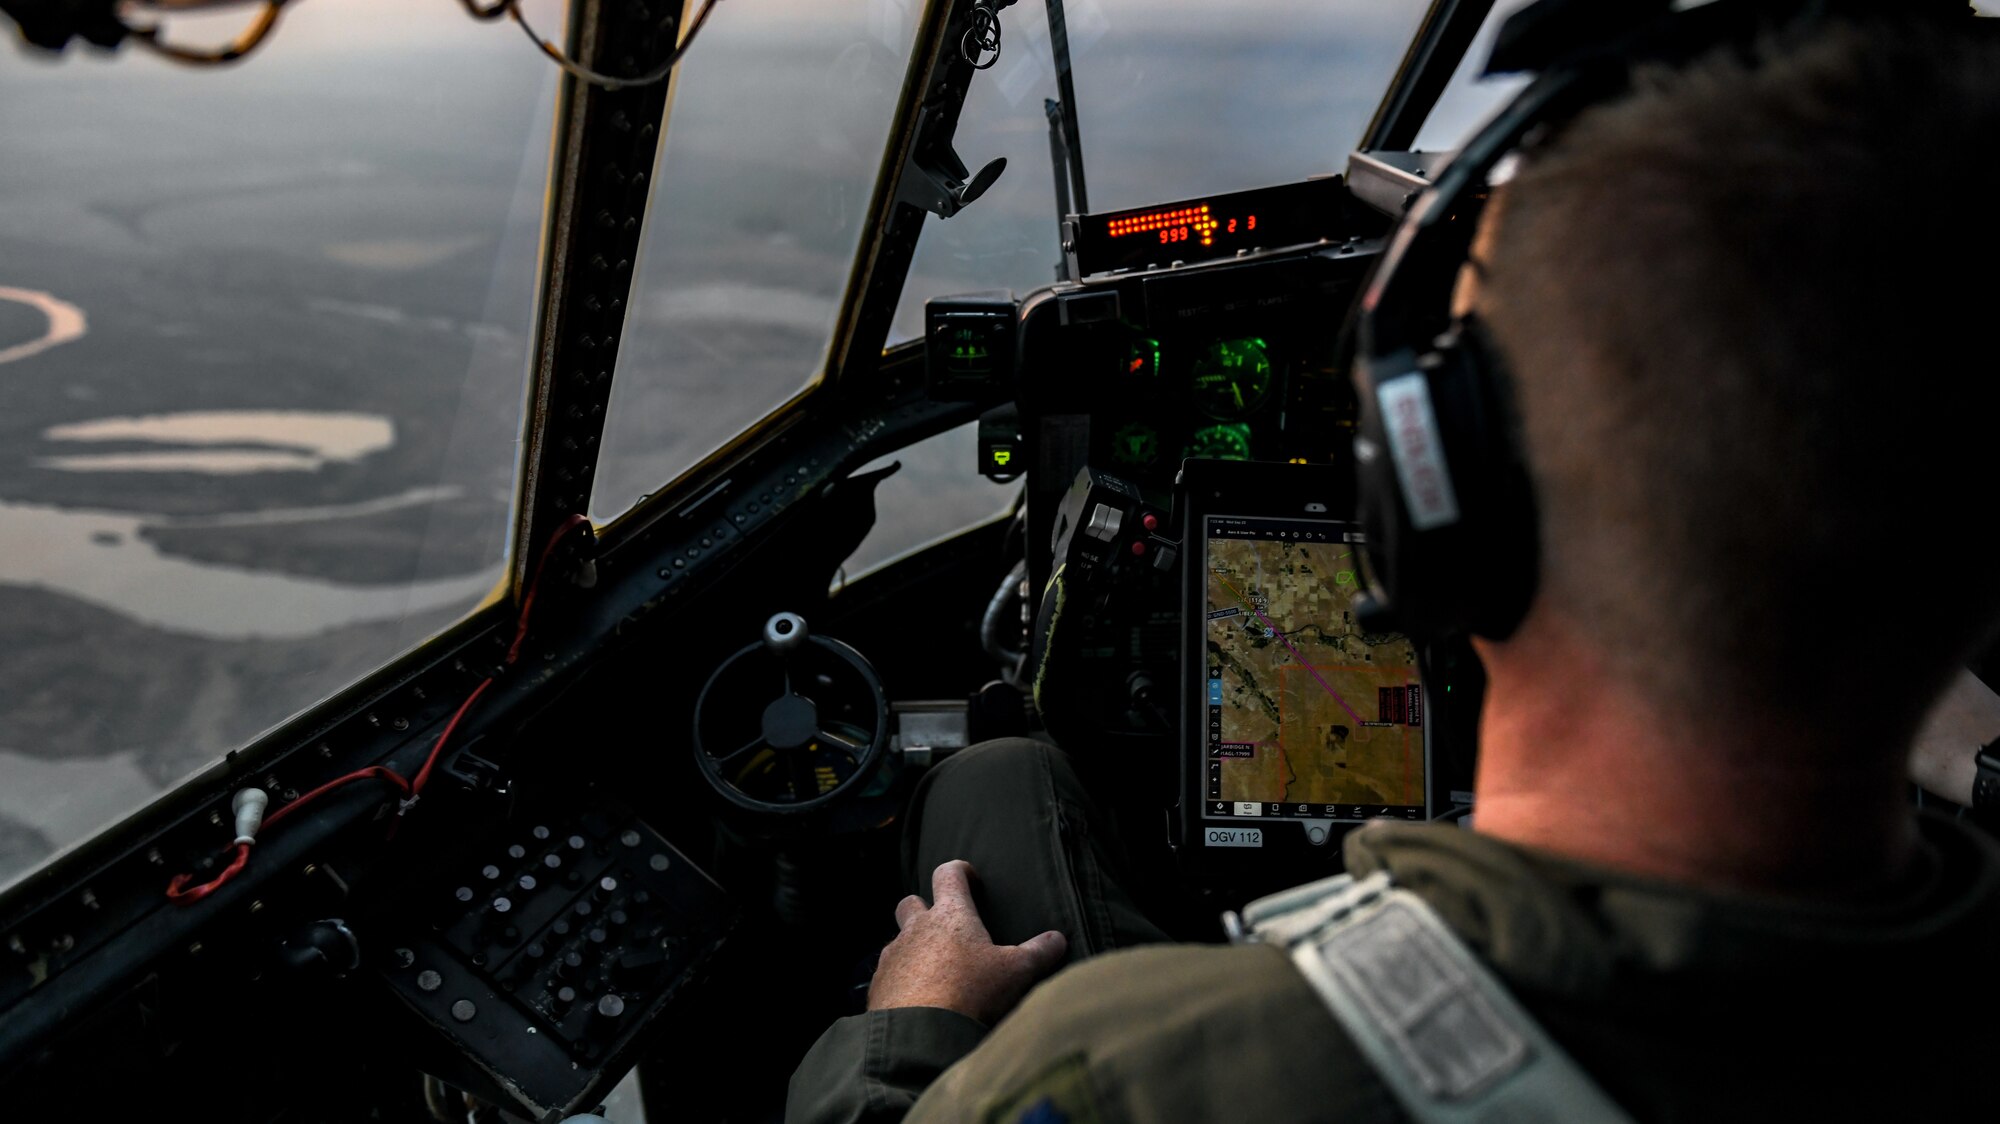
(1744, 343)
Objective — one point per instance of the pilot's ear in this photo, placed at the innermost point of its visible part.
(1472, 274)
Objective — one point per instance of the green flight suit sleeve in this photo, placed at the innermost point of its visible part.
(870, 1068)
(1169, 1034)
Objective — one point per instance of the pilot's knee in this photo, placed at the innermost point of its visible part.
(999, 757)
(992, 769)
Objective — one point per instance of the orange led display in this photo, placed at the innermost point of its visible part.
(1202, 230)
(1189, 220)
(1180, 224)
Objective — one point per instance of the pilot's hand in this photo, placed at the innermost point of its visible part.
(1964, 718)
(944, 956)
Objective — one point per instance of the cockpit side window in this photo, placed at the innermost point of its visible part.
(1469, 98)
(264, 336)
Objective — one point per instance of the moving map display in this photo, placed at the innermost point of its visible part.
(1308, 717)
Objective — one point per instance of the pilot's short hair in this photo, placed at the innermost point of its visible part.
(1751, 314)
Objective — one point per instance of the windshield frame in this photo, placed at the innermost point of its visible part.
(857, 362)
(1445, 35)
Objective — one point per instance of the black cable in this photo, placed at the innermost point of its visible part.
(493, 11)
(1005, 603)
(605, 81)
(251, 38)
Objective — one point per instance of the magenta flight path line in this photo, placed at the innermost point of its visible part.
(1280, 634)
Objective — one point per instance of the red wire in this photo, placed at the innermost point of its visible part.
(382, 771)
(535, 584)
(424, 774)
(180, 893)
(178, 890)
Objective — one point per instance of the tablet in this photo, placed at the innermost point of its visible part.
(1302, 721)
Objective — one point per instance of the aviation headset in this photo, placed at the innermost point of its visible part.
(1444, 490)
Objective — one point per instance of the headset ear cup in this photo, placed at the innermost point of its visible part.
(1384, 521)
(1469, 563)
(1505, 518)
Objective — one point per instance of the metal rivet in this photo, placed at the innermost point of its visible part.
(429, 980)
(464, 1011)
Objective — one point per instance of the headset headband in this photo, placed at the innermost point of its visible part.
(1445, 496)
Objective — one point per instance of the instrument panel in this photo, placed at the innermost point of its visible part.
(1225, 383)
(1131, 373)
(1232, 360)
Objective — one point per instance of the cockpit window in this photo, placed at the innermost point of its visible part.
(1175, 98)
(264, 335)
(776, 132)
(1470, 98)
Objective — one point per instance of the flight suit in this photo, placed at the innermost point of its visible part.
(1683, 1005)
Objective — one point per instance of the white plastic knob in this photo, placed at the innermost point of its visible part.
(249, 806)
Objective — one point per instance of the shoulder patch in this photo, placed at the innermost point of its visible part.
(1060, 1094)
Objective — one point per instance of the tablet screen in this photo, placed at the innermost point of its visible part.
(1308, 716)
